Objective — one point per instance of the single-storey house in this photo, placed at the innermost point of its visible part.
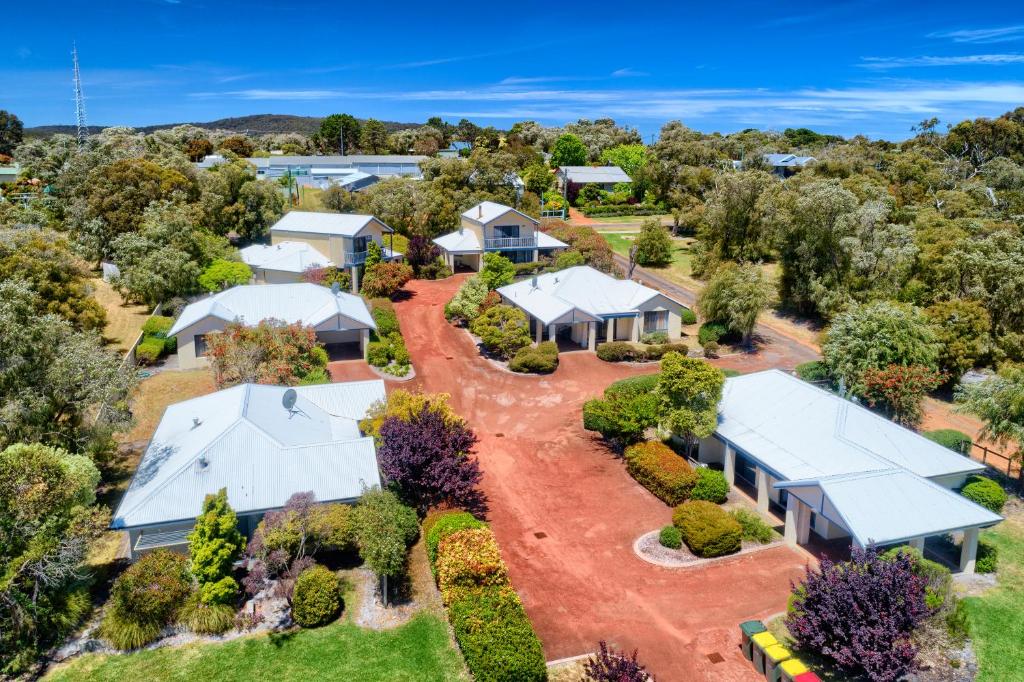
(588, 306)
(835, 469)
(782, 165)
(379, 165)
(263, 444)
(343, 237)
(490, 226)
(338, 317)
(283, 262)
(571, 179)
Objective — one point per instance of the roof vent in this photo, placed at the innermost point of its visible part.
(335, 288)
(196, 421)
(480, 210)
(535, 281)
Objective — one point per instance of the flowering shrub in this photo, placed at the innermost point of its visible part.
(900, 390)
(608, 665)
(469, 558)
(385, 279)
(436, 527)
(270, 353)
(658, 468)
(861, 613)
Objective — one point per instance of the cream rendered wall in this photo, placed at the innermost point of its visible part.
(527, 228)
(711, 451)
(320, 242)
(659, 302)
(279, 277)
(186, 342)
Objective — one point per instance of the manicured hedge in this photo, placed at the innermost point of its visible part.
(621, 210)
(658, 468)
(710, 486)
(957, 441)
(490, 624)
(495, 635)
(541, 359)
(707, 529)
(384, 315)
(378, 353)
(623, 351)
(632, 387)
(317, 597)
(438, 526)
(986, 492)
(150, 350)
(469, 558)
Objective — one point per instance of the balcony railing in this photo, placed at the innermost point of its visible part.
(510, 242)
(359, 257)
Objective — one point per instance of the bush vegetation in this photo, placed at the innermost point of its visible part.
(540, 359)
(469, 558)
(688, 317)
(503, 330)
(707, 529)
(439, 525)
(658, 468)
(710, 486)
(957, 441)
(753, 527)
(145, 599)
(986, 492)
(609, 665)
(670, 537)
(815, 370)
(317, 597)
(629, 407)
(206, 619)
(987, 559)
(626, 351)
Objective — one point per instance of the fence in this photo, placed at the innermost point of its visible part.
(1010, 466)
(129, 356)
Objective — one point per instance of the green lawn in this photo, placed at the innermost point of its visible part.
(678, 268)
(997, 617)
(418, 650)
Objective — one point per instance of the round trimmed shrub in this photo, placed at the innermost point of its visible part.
(469, 558)
(986, 492)
(658, 468)
(439, 525)
(958, 441)
(317, 597)
(707, 529)
(688, 316)
(542, 359)
(378, 353)
(710, 486)
(712, 331)
(656, 352)
(987, 559)
(670, 537)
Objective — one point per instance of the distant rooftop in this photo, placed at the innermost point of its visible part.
(284, 256)
(342, 224)
(582, 175)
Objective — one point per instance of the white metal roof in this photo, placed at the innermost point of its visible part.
(787, 160)
(585, 293)
(799, 431)
(486, 211)
(460, 241)
(546, 241)
(284, 256)
(889, 506)
(308, 304)
(245, 440)
(337, 160)
(341, 224)
(582, 175)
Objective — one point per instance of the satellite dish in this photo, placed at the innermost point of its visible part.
(289, 398)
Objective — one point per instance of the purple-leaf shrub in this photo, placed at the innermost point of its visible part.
(861, 613)
(429, 458)
(608, 665)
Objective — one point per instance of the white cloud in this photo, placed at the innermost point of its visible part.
(628, 73)
(1000, 34)
(881, 63)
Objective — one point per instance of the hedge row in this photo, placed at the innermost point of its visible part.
(658, 468)
(950, 438)
(155, 342)
(624, 351)
(707, 529)
(490, 624)
(621, 209)
(387, 349)
(986, 492)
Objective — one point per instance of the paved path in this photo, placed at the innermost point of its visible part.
(566, 513)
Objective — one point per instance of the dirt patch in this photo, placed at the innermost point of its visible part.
(566, 513)
(160, 390)
(124, 321)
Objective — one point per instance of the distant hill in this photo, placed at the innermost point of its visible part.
(256, 124)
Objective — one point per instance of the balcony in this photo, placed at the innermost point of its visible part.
(359, 257)
(510, 243)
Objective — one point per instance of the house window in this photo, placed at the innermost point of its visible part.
(360, 244)
(200, 343)
(656, 321)
(506, 231)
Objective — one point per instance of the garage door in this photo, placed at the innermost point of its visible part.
(344, 336)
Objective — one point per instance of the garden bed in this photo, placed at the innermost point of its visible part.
(650, 549)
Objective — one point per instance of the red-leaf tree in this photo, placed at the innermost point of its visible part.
(383, 280)
(861, 613)
(270, 353)
(900, 390)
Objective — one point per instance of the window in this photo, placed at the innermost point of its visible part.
(656, 321)
(200, 343)
(360, 244)
(506, 231)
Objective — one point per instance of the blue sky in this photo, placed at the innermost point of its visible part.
(868, 67)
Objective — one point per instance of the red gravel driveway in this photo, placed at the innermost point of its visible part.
(567, 514)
